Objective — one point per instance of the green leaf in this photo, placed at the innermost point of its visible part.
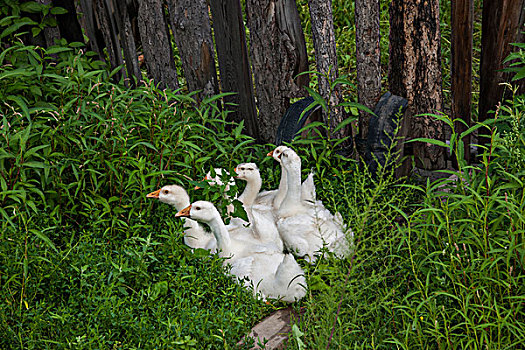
(344, 123)
(31, 7)
(431, 141)
(58, 10)
(44, 238)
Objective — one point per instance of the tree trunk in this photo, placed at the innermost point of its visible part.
(367, 13)
(127, 40)
(415, 73)
(50, 33)
(105, 22)
(235, 73)
(326, 60)
(191, 28)
(502, 22)
(156, 44)
(278, 54)
(461, 71)
(67, 22)
(88, 23)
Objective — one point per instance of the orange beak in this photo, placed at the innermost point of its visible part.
(270, 154)
(185, 213)
(154, 194)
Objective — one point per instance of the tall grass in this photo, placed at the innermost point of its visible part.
(85, 260)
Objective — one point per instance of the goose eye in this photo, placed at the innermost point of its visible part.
(166, 191)
(197, 208)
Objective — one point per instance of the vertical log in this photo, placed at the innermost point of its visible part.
(127, 40)
(50, 33)
(104, 20)
(88, 23)
(67, 22)
(156, 44)
(323, 35)
(278, 54)
(501, 24)
(368, 56)
(232, 53)
(415, 73)
(191, 28)
(461, 70)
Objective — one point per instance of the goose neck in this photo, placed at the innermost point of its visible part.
(253, 186)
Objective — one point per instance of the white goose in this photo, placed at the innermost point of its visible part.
(260, 216)
(195, 236)
(272, 273)
(275, 197)
(306, 227)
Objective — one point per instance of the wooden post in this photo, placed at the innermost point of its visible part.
(105, 22)
(278, 54)
(368, 57)
(156, 43)
(323, 34)
(501, 24)
(235, 73)
(415, 73)
(191, 28)
(461, 70)
(127, 40)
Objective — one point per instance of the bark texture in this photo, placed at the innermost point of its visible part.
(232, 54)
(127, 40)
(367, 14)
(415, 73)
(191, 28)
(461, 70)
(106, 24)
(326, 59)
(67, 22)
(156, 44)
(502, 22)
(278, 54)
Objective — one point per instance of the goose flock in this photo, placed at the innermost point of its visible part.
(283, 224)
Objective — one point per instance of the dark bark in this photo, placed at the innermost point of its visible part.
(67, 22)
(191, 28)
(156, 44)
(326, 60)
(51, 34)
(105, 22)
(232, 54)
(367, 14)
(461, 70)
(127, 40)
(88, 22)
(278, 54)
(415, 73)
(502, 22)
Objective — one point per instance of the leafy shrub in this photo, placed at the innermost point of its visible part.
(85, 260)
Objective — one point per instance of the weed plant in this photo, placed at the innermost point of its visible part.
(85, 260)
(439, 265)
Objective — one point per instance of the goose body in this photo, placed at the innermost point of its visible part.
(262, 266)
(306, 227)
(195, 236)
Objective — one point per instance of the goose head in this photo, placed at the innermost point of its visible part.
(289, 159)
(202, 211)
(173, 195)
(247, 171)
(277, 152)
